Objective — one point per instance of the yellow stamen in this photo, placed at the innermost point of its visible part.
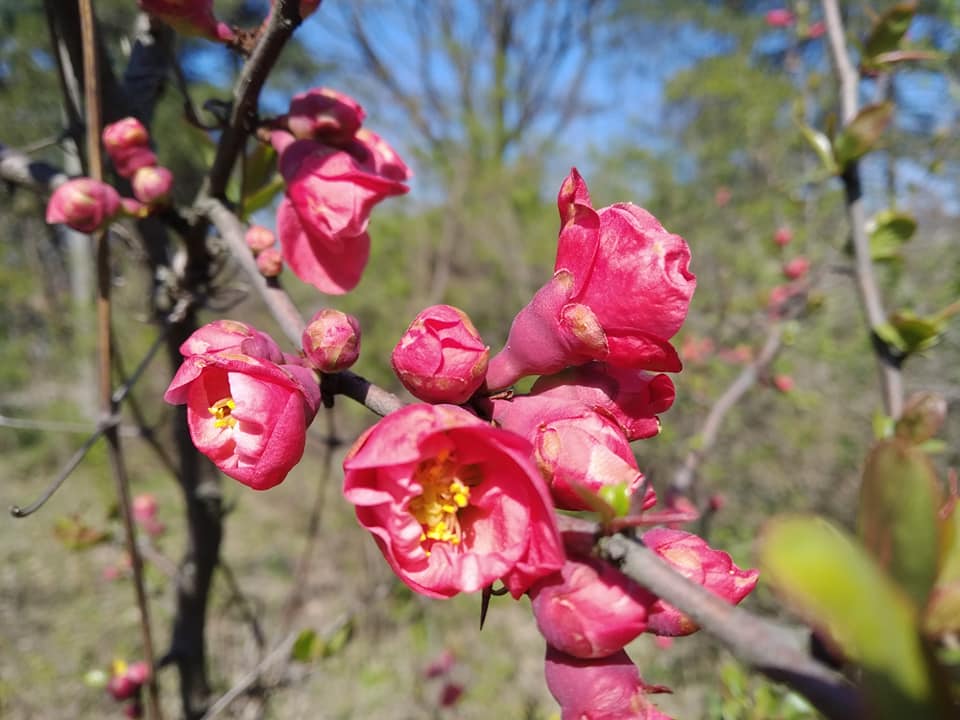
(446, 490)
(221, 411)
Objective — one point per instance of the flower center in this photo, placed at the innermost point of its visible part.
(446, 491)
(221, 413)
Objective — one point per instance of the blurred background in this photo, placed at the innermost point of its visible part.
(693, 110)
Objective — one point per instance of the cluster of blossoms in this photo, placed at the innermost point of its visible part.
(460, 490)
(125, 683)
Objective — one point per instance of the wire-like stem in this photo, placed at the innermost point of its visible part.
(107, 403)
(891, 381)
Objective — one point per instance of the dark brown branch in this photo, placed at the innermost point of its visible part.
(891, 380)
(771, 648)
(18, 168)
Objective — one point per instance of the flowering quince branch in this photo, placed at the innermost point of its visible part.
(767, 646)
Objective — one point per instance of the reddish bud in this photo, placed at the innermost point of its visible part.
(144, 508)
(796, 268)
(607, 688)
(696, 349)
(83, 204)
(152, 185)
(441, 358)
(450, 694)
(816, 30)
(133, 709)
(139, 672)
(270, 262)
(128, 145)
(783, 236)
(259, 238)
(440, 665)
(331, 341)
(783, 383)
(325, 115)
(122, 687)
(779, 18)
(717, 502)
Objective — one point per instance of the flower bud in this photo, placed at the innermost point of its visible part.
(796, 268)
(441, 358)
(139, 672)
(325, 115)
(783, 383)
(783, 236)
(83, 204)
(259, 238)
(128, 145)
(270, 262)
(331, 341)
(779, 18)
(151, 185)
(122, 687)
(144, 508)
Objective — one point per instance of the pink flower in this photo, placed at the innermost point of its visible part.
(783, 383)
(322, 221)
(270, 262)
(259, 238)
(589, 609)
(84, 204)
(190, 17)
(440, 357)
(722, 196)
(249, 415)
(696, 349)
(619, 292)
(607, 688)
(780, 18)
(139, 672)
(783, 236)
(325, 115)
(152, 185)
(128, 145)
(574, 447)
(144, 508)
(796, 268)
(331, 341)
(452, 502)
(232, 336)
(816, 30)
(694, 559)
(631, 398)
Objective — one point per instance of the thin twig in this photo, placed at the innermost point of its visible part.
(891, 381)
(684, 477)
(769, 647)
(92, 101)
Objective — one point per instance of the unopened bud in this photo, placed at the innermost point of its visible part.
(783, 236)
(83, 204)
(152, 185)
(332, 340)
(796, 268)
(270, 262)
(259, 238)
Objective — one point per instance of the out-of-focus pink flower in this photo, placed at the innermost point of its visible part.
(247, 414)
(139, 672)
(322, 221)
(696, 349)
(574, 447)
(783, 383)
(722, 196)
(441, 357)
(694, 559)
(331, 340)
(796, 268)
(152, 185)
(259, 238)
(452, 502)
(84, 204)
(307, 7)
(232, 336)
(193, 17)
(739, 355)
(631, 398)
(127, 142)
(144, 508)
(324, 115)
(619, 292)
(717, 502)
(783, 236)
(589, 609)
(270, 262)
(133, 709)
(440, 665)
(607, 688)
(122, 687)
(816, 30)
(780, 18)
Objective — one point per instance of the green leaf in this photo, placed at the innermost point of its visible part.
(262, 197)
(259, 168)
(617, 497)
(917, 333)
(307, 647)
(888, 32)
(835, 584)
(862, 133)
(897, 520)
(821, 146)
(888, 231)
(75, 534)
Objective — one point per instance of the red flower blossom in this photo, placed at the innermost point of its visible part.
(619, 292)
(128, 145)
(783, 236)
(441, 357)
(84, 204)
(693, 558)
(194, 17)
(248, 414)
(607, 688)
(452, 502)
(331, 341)
(323, 114)
(796, 268)
(779, 18)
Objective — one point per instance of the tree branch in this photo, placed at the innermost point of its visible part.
(891, 381)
